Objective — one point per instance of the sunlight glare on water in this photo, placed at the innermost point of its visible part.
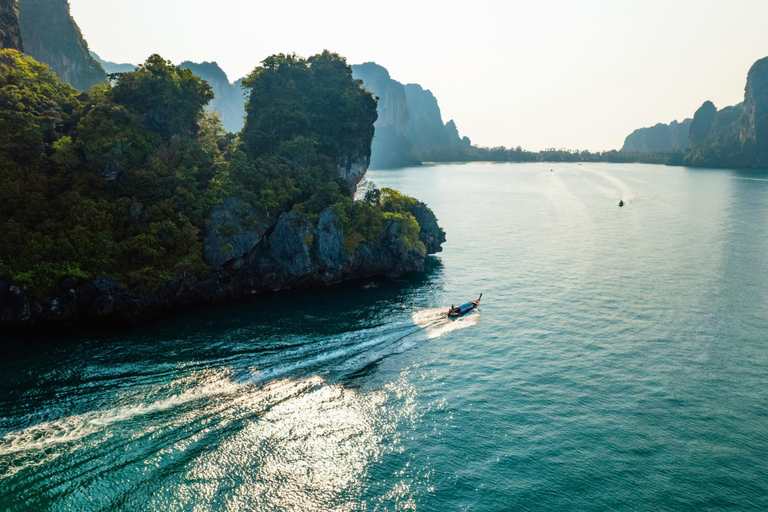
(616, 362)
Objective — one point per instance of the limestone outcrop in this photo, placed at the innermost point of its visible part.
(660, 137)
(10, 34)
(754, 126)
(390, 147)
(51, 36)
(410, 125)
(702, 123)
(293, 253)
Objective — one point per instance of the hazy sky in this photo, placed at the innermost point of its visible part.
(578, 74)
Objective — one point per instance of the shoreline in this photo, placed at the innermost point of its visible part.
(294, 254)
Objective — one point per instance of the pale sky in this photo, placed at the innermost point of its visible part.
(578, 74)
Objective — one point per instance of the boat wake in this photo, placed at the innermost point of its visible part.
(260, 379)
(625, 191)
(436, 323)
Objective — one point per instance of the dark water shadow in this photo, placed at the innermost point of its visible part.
(322, 311)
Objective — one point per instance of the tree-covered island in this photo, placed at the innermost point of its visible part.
(130, 198)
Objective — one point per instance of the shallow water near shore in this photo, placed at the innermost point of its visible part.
(617, 361)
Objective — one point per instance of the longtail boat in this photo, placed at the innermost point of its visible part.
(464, 308)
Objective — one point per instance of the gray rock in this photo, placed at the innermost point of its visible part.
(289, 245)
(431, 234)
(14, 306)
(50, 35)
(236, 264)
(10, 35)
(330, 250)
(352, 167)
(295, 253)
(234, 228)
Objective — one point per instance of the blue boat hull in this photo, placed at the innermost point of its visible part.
(464, 308)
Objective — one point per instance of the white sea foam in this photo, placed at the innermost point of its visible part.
(436, 323)
(74, 428)
(348, 352)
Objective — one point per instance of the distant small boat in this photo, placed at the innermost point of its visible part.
(464, 308)
(621, 203)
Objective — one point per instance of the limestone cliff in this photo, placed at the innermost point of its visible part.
(410, 126)
(702, 123)
(754, 125)
(392, 109)
(51, 36)
(10, 35)
(425, 127)
(715, 138)
(734, 137)
(293, 252)
(390, 147)
(229, 100)
(661, 137)
(234, 228)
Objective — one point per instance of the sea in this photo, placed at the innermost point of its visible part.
(618, 361)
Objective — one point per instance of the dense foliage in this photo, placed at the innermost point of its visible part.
(119, 181)
(309, 111)
(102, 182)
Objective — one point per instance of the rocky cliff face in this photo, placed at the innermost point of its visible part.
(294, 252)
(702, 123)
(425, 127)
(390, 147)
(234, 228)
(354, 164)
(51, 36)
(431, 234)
(409, 122)
(754, 125)
(661, 137)
(392, 109)
(10, 35)
(229, 100)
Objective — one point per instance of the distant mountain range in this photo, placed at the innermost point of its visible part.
(735, 136)
(228, 101)
(410, 127)
(661, 137)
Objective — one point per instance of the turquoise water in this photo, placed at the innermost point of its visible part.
(618, 361)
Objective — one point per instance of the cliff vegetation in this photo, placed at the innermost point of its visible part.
(136, 183)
